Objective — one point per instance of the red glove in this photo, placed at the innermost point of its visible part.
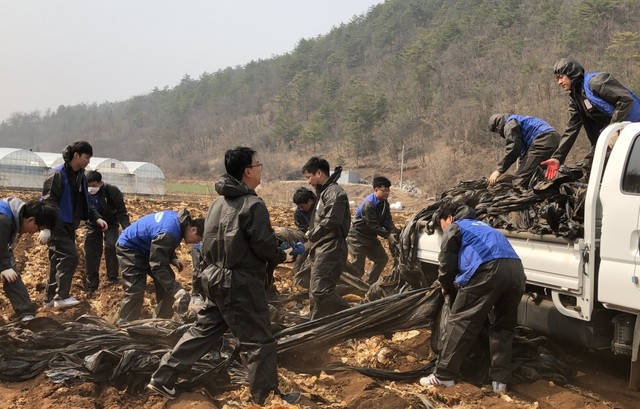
(552, 168)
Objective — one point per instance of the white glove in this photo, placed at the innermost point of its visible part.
(9, 275)
(290, 256)
(102, 224)
(44, 236)
(179, 265)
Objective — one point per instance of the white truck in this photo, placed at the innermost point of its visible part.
(586, 291)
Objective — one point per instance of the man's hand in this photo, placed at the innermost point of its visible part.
(552, 168)
(102, 224)
(494, 178)
(179, 264)
(44, 236)
(9, 275)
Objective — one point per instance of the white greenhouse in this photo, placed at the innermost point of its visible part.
(50, 158)
(114, 172)
(148, 178)
(20, 168)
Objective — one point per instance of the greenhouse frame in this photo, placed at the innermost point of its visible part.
(114, 172)
(20, 168)
(148, 178)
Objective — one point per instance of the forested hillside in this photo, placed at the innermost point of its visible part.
(425, 74)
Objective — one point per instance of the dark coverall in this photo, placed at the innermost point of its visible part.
(541, 149)
(372, 219)
(583, 113)
(109, 202)
(65, 190)
(10, 219)
(238, 242)
(302, 267)
(328, 252)
(146, 248)
(498, 283)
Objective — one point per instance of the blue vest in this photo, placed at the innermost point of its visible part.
(66, 201)
(139, 235)
(304, 215)
(607, 107)
(530, 127)
(96, 202)
(480, 243)
(6, 210)
(373, 199)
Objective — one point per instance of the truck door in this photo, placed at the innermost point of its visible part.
(619, 273)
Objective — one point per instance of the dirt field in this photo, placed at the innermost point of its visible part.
(601, 380)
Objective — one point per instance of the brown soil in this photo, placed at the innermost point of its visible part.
(601, 381)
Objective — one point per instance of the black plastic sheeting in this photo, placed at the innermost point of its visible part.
(90, 349)
(551, 208)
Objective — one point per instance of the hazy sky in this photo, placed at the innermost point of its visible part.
(66, 52)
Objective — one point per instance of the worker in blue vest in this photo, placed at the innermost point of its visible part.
(305, 201)
(18, 217)
(66, 190)
(372, 220)
(529, 140)
(596, 100)
(478, 266)
(148, 248)
(109, 202)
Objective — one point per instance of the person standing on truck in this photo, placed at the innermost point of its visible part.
(327, 235)
(479, 266)
(238, 243)
(148, 248)
(66, 190)
(109, 202)
(596, 100)
(18, 217)
(372, 219)
(529, 140)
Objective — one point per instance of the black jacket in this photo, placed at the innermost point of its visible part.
(111, 201)
(237, 230)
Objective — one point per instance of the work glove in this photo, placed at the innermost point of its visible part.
(9, 275)
(179, 264)
(102, 224)
(44, 236)
(552, 168)
(494, 178)
(181, 303)
(298, 248)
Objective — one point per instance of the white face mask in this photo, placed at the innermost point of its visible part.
(93, 190)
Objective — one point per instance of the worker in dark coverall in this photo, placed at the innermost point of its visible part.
(529, 140)
(237, 245)
(596, 100)
(305, 201)
(109, 202)
(478, 263)
(148, 248)
(327, 236)
(66, 190)
(372, 219)
(17, 217)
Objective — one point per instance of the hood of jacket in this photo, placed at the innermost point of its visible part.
(569, 67)
(230, 187)
(497, 122)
